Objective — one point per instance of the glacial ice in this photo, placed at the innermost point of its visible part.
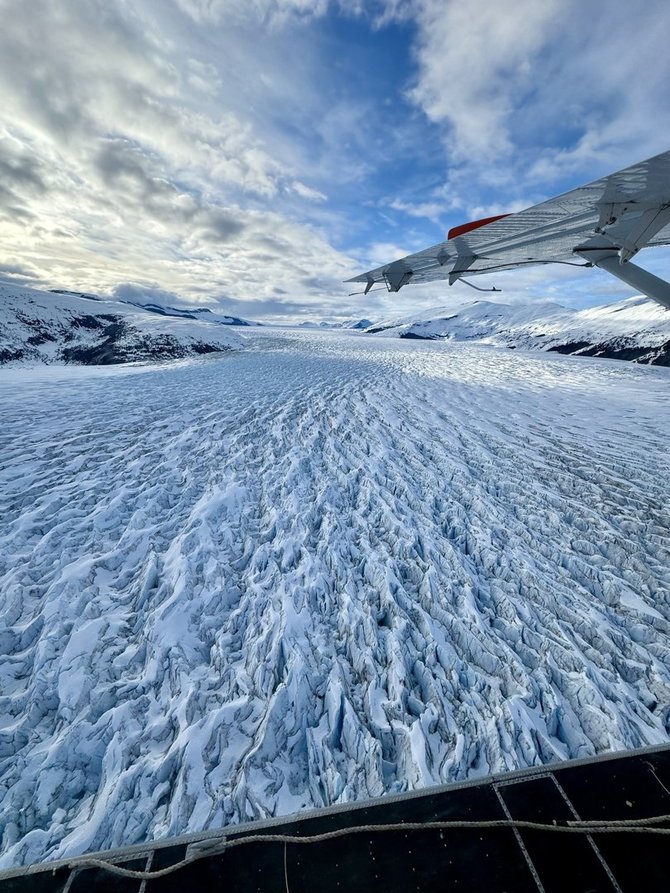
(321, 569)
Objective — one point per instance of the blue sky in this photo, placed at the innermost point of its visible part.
(256, 153)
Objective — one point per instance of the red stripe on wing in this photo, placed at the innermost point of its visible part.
(468, 227)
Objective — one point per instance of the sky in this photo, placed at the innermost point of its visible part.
(253, 154)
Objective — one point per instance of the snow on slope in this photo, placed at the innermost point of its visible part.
(636, 328)
(358, 324)
(58, 327)
(321, 569)
(203, 313)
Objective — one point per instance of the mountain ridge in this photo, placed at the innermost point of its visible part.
(61, 326)
(634, 329)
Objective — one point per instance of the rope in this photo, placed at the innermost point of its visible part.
(630, 826)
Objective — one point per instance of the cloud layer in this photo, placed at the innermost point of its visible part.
(258, 152)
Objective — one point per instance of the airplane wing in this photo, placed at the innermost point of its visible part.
(603, 224)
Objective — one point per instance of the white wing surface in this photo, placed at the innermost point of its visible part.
(604, 223)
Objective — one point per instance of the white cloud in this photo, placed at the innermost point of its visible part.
(262, 12)
(513, 83)
(429, 210)
(124, 158)
(277, 12)
(312, 195)
(476, 62)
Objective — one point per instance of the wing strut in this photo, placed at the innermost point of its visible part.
(641, 280)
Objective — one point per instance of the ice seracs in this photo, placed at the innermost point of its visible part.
(329, 567)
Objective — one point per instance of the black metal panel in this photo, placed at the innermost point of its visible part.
(626, 789)
(498, 860)
(393, 861)
(557, 858)
(43, 882)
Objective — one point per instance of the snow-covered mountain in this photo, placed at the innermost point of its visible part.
(67, 327)
(202, 313)
(355, 323)
(635, 329)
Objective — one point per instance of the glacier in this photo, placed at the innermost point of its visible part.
(326, 567)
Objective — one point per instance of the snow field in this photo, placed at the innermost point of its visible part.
(321, 569)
